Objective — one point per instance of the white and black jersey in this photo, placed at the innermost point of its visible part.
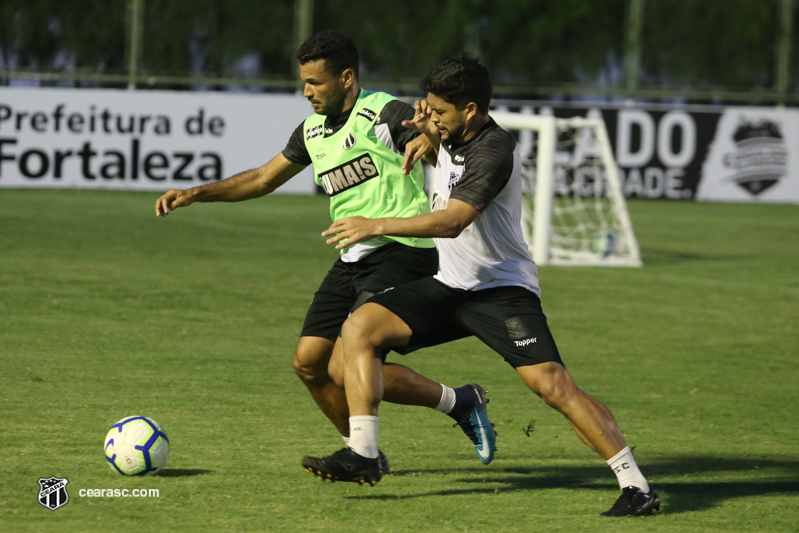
(484, 172)
(388, 128)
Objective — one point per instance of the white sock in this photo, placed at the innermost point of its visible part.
(363, 435)
(623, 464)
(447, 402)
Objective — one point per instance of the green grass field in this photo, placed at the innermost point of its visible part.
(192, 320)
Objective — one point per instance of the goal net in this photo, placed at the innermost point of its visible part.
(573, 207)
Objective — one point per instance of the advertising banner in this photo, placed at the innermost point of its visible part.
(157, 140)
(706, 153)
(142, 140)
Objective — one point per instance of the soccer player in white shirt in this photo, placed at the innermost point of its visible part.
(487, 286)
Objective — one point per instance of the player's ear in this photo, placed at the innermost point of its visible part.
(471, 110)
(347, 77)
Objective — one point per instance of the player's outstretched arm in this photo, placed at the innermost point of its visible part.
(446, 223)
(244, 186)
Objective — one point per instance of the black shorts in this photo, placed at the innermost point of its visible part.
(507, 319)
(348, 285)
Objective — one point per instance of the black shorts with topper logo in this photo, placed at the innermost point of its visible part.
(348, 285)
(508, 320)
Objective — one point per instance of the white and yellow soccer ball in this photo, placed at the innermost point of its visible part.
(136, 446)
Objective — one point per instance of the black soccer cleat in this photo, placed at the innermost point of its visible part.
(345, 465)
(633, 502)
(472, 417)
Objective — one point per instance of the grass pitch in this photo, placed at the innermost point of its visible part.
(192, 320)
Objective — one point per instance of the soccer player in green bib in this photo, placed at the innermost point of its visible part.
(356, 143)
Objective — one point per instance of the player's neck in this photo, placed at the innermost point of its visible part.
(473, 126)
(352, 97)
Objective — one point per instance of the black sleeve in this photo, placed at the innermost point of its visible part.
(295, 150)
(393, 114)
(488, 167)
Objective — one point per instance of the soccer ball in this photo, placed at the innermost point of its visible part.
(136, 446)
(606, 243)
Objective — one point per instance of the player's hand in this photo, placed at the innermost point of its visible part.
(347, 231)
(421, 121)
(171, 200)
(415, 150)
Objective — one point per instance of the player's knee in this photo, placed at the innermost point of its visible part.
(361, 328)
(309, 367)
(555, 387)
(554, 394)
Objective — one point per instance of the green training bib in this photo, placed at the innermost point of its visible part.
(360, 170)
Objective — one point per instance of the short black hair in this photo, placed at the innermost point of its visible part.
(460, 80)
(338, 51)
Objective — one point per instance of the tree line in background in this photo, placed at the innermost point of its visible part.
(530, 46)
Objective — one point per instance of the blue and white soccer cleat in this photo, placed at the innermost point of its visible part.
(474, 421)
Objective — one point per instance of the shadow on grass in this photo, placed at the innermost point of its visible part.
(662, 256)
(756, 478)
(182, 472)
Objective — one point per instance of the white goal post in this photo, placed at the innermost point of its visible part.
(574, 211)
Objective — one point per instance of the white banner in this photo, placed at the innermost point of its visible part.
(142, 140)
(753, 157)
(157, 140)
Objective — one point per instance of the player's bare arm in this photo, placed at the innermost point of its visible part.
(445, 223)
(244, 186)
